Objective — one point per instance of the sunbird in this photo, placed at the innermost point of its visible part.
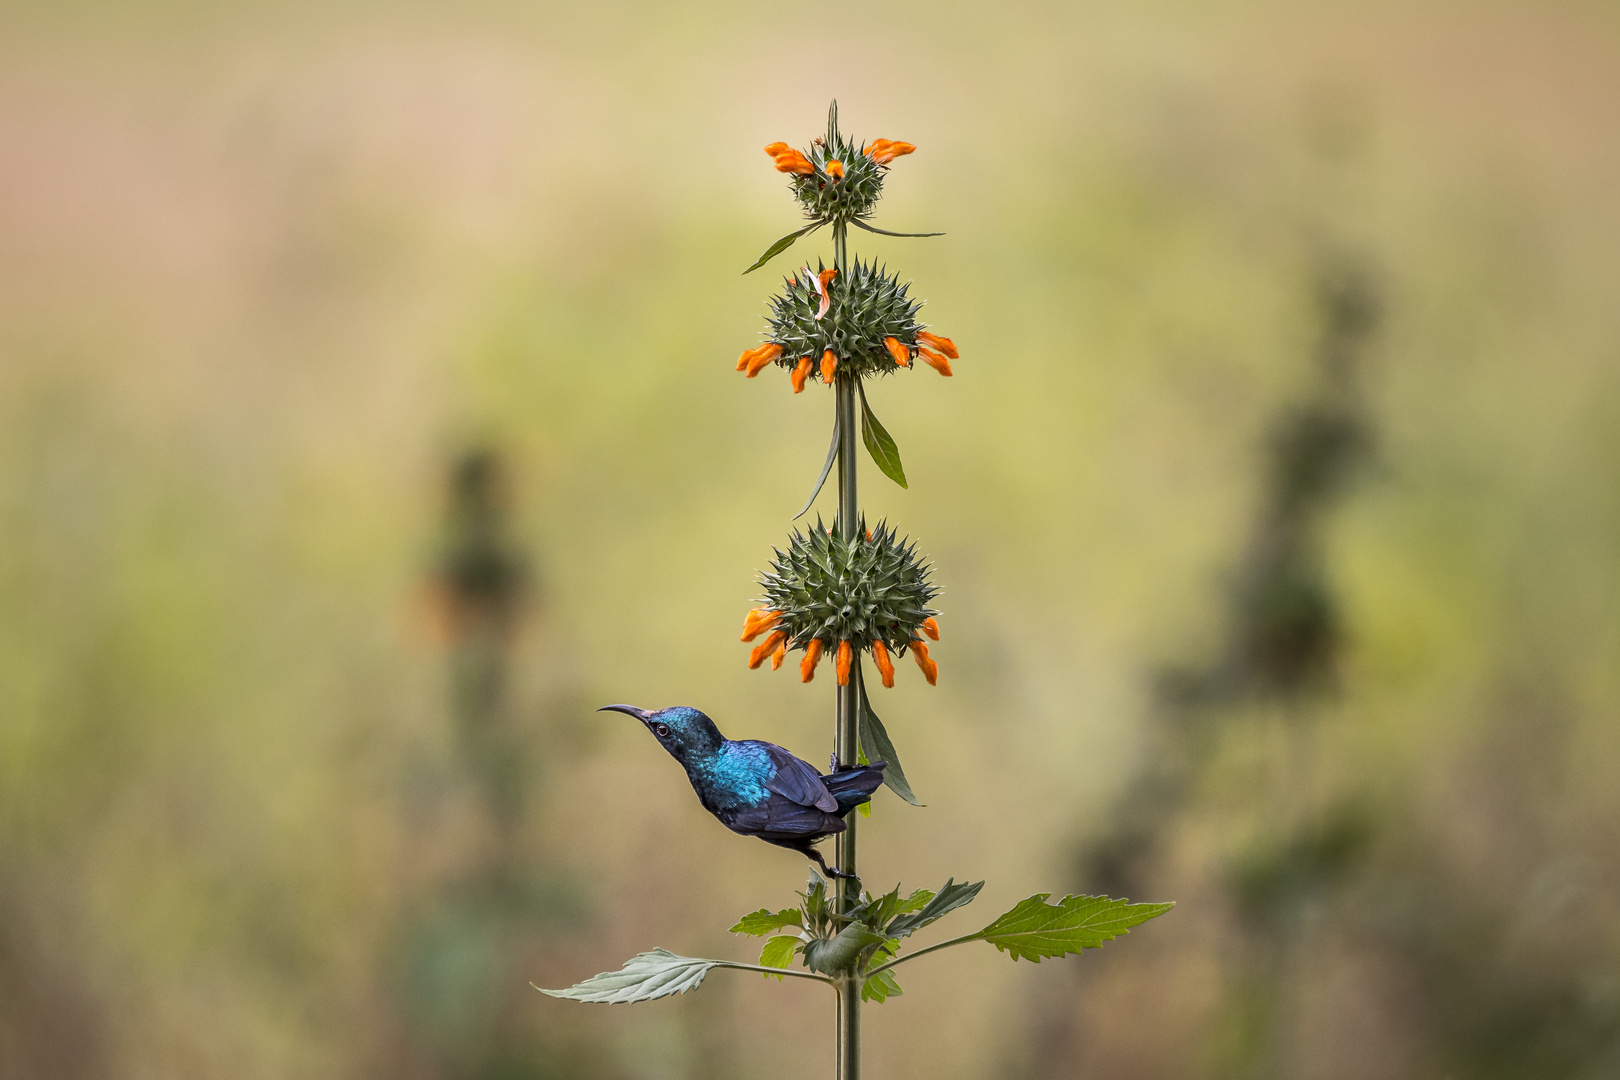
(757, 788)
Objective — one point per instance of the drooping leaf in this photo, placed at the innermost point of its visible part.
(778, 953)
(880, 444)
(832, 456)
(880, 987)
(885, 232)
(827, 956)
(879, 747)
(762, 922)
(644, 977)
(782, 245)
(952, 895)
(1036, 929)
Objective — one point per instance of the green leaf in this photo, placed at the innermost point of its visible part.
(916, 901)
(830, 955)
(645, 977)
(952, 895)
(782, 245)
(880, 444)
(881, 987)
(1035, 928)
(778, 953)
(885, 232)
(832, 456)
(876, 743)
(764, 921)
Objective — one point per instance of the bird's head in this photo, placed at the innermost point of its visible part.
(682, 730)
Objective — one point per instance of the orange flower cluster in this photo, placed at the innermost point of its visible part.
(789, 160)
(884, 151)
(765, 621)
(754, 360)
(936, 360)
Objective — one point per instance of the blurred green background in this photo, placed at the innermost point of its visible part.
(368, 417)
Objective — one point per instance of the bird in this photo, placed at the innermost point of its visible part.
(758, 788)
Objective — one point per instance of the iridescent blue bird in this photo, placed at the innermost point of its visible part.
(757, 788)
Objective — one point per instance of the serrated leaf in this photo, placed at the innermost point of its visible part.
(832, 456)
(782, 245)
(916, 901)
(828, 956)
(952, 895)
(880, 987)
(885, 232)
(1036, 929)
(764, 921)
(880, 444)
(644, 977)
(879, 747)
(778, 953)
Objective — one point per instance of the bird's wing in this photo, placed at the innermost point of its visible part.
(797, 781)
(778, 818)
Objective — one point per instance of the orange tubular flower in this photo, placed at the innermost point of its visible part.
(919, 652)
(835, 169)
(936, 361)
(885, 666)
(800, 373)
(776, 148)
(765, 648)
(943, 344)
(826, 276)
(780, 654)
(812, 656)
(901, 354)
(829, 365)
(931, 628)
(886, 150)
(791, 161)
(758, 621)
(764, 355)
(846, 656)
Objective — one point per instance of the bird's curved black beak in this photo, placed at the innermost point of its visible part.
(628, 710)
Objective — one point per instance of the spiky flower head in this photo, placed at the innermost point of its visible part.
(837, 179)
(855, 316)
(824, 594)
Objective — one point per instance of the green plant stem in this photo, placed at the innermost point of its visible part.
(848, 734)
(923, 952)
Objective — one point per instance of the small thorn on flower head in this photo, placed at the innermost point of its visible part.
(936, 361)
(919, 653)
(901, 354)
(801, 372)
(812, 656)
(829, 365)
(943, 344)
(885, 666)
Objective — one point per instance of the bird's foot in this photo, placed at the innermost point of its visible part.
(831, 871)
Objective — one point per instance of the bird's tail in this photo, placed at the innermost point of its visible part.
(855, 786)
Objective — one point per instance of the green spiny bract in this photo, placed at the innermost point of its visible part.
(833, 199)
(867, 305)
(865, 590)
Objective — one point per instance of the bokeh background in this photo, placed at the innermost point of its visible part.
(368, 416)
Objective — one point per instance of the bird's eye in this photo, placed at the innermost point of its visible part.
(661, 730)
